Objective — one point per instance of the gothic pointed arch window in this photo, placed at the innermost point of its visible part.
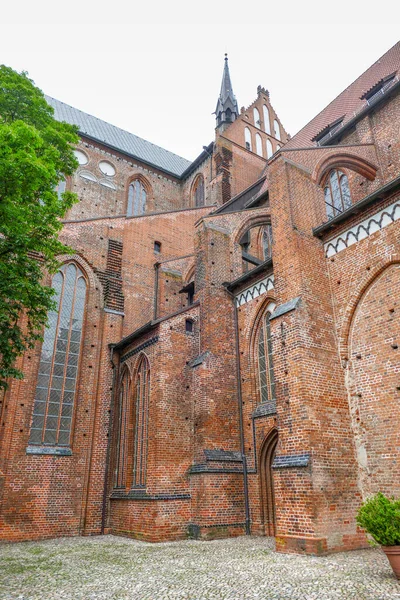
(267, 125)
(277, 130)
(337, 193)
(137, 198)
(259, 148)
(123, 416)
(142, 394)
(198, 191)
(59, 361)
(269, 149)
(256, 115)
(247, 138)
(266, 381)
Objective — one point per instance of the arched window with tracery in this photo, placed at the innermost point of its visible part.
(198, 191)
(59, 361)
(123, 415)
(141, 425)
(337, 193)
(266, 379)
(267, 241)
(247, 138)
(137, 198)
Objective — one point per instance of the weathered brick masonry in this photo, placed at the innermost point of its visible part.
(238, 370)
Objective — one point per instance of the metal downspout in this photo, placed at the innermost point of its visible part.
(108, 453)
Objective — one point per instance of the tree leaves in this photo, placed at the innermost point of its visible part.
(36, 151)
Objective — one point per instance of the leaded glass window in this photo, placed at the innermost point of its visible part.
(265, 365)
(336, 193)
(123, 428)
(141, 423)
(59, 361)
(198, 191)
(137, 198)
(267, 241)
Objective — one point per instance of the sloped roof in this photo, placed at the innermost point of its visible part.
(350, 101)
(119, 139)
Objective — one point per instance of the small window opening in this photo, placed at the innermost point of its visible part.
(189, 326)
(157, 247)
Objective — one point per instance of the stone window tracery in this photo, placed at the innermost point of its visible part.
(59, 361)
(336, 193)
(137, 198)
(265, 365)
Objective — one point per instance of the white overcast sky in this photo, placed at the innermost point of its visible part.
(155, 68)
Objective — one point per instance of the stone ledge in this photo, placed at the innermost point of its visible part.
(291, 460)
(49, 450)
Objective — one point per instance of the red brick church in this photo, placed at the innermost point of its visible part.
(225, 355)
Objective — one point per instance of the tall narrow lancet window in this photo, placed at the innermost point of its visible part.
(198, 191)
(247, 138)
(267, 241)
(277, 130)
(337, 193)
(141, 423)
(259, 144)
(267, 125)
(123, 430)
(256, 115)
(56, 385)
(265, 366)
(269, 149)
(137, 197)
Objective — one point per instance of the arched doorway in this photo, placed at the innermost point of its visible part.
(267, 454)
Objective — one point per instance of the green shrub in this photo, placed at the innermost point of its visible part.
(380, 517)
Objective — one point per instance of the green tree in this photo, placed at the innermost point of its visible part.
(36, 152)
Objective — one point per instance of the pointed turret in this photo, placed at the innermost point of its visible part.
(227, 107)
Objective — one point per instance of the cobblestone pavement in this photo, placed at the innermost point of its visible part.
(113, 568)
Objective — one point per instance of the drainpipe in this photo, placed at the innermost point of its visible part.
(108, 454)
(241, 430)
(156, 271)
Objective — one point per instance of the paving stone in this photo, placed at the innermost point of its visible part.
(114, 568)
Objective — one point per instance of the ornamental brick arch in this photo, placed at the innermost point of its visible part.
(343, 160)
(249, 223)
(358, 293)
(95, 287)
(266, 482)
(147, 188)
(373, 382)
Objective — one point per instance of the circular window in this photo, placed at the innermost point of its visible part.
(107, 168)
(81, 156)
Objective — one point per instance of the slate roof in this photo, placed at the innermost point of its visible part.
(119, 139)
(350, 102)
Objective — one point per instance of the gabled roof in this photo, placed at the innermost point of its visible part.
(351, 101)
(119, 139)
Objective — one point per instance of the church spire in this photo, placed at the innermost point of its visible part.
(227, 107)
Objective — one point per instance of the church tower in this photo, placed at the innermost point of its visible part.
(227, 108)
